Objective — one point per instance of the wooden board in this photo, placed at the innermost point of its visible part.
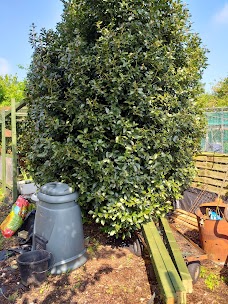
(190, 214)
(210, 188)
(176, 256)
(212, 157)
(209, 181)
(191, 252)
(211, 166)
(184, 218)
(217, 175)
(168, 293)
(170, 282)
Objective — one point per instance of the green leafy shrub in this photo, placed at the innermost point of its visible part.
(112, 109)
(10, 87)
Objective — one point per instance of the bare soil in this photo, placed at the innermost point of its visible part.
(112, 274)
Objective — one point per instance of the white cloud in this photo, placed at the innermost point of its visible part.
(4, 66)
(222, 16)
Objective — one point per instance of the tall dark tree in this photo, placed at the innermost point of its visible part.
(112, 107)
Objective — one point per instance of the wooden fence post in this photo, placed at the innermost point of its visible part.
(3, 153)
(14, 147)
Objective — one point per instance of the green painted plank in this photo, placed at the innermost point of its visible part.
(166, 286)
(9, 155)
(14, 147)
(170, 268)
(177, 256)
(7, 185)
(166, 257)
(3, 152)
(18, 106)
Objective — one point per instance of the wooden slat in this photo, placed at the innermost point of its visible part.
(168, 292)
(209, 181)
(213, 174)
(186, 212)
(184, 218)
(211, 154)
(210, 188)
(200, 256)
(18, 107)
(184, 223)
(214, 159)
(3, 153)
(176, 256)
(14, 147)
(211, 166)
(171, 271)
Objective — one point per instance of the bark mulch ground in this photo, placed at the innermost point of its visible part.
(112, 275)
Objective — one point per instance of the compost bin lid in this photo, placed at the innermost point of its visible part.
(56, 192)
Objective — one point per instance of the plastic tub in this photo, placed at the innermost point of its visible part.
(33, 266)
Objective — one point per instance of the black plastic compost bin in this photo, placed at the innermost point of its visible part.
(58, 227)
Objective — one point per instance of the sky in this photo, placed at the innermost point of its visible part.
(209, 18)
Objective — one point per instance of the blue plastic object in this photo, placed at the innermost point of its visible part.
(214, 216)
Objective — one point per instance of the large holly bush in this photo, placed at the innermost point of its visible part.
(112, 110)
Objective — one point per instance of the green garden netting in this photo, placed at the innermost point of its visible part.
(216, 139)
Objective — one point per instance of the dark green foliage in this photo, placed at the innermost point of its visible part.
(111, 104)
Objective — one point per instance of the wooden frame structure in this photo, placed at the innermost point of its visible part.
(16, 110)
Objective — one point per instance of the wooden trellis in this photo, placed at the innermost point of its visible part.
(16, 111)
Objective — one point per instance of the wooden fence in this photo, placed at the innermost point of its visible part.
(212, 173)
(9, 161)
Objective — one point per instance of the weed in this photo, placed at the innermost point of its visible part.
(44, 287)
(129, 259)
(109, 290)
(92, 247)
(203, 272)
(77, 276)
(68, 271)
(224, 279)
(13, 297)
(76, 285)
(211, 280)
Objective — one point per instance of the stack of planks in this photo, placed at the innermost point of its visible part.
(170, 269)
(185, 218)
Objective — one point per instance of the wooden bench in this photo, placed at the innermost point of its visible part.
(173, 289)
